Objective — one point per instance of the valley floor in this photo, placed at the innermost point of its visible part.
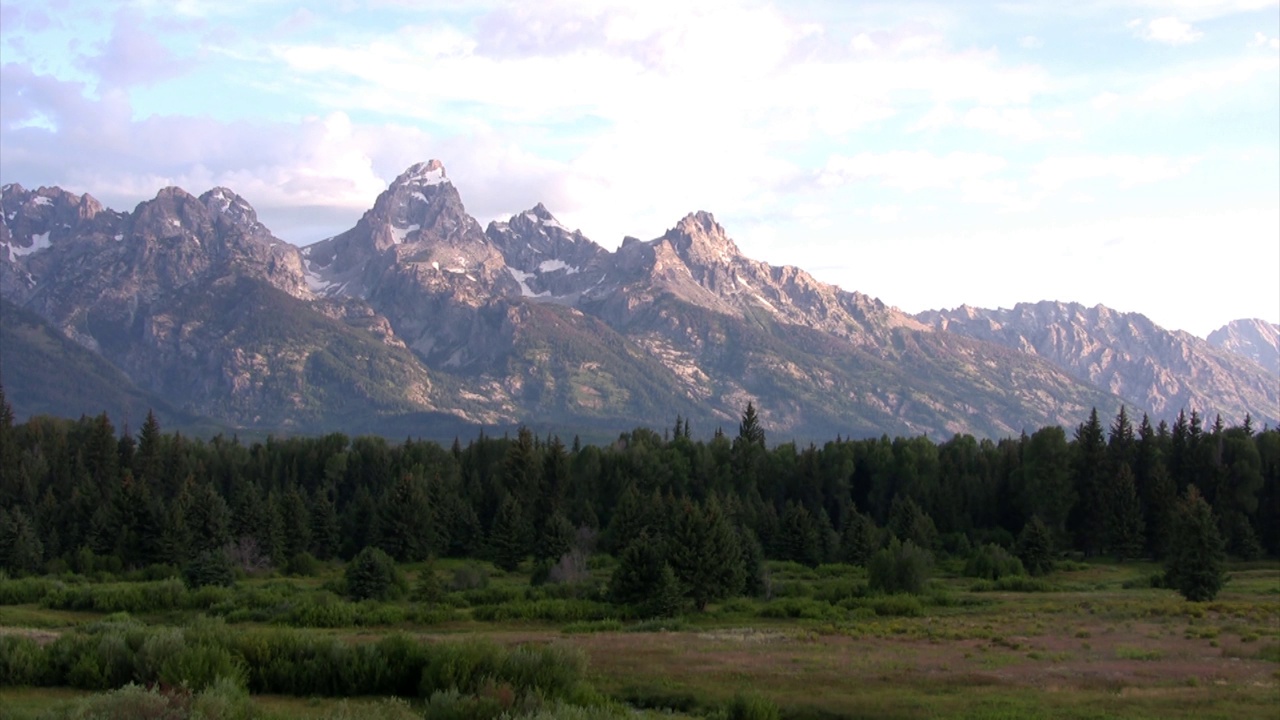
(1091, 641)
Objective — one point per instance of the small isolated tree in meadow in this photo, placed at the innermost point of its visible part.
(1196, 563)
(372, 575)
(1035, 546)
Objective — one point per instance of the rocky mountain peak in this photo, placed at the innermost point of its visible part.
(1256, 339)
(422, 174)
(228, 208)
(699, 239)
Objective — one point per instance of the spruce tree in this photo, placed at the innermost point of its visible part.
(1090, 478)
(555, 538)
(1035, 546)
(21, 551)
(325, 529)
(705, 553)
(1196, 564)
(860, 538)
(404, 520)
(508, 539)
(799, 540)
(1126, 529)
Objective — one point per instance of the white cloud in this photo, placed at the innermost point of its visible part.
(1168, 30)
(1125, 170)
(1197, 10)
(911, 171)
(1030, 42)
(1260, 40)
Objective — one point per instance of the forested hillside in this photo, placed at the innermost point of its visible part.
(82, 494)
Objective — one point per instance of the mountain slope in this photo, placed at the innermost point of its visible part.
(1151, 368)
(1255, 339)
(417, 318)
(44, 373)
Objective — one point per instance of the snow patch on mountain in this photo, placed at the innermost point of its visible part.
(522, 278)
(399, 234)
(554, 265)
(38, 243)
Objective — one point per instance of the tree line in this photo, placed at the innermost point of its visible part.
(689, 519)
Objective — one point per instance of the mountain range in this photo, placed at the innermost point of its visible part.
(419, 321)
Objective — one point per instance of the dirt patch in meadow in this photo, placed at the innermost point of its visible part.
(42, 637)
(1139, 658)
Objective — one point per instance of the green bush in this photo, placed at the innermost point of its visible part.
(1015, 583)
(897, 606)
(751, 707)
(22, 662)
(469, 577)
(302, 564)
(992, 562)
(320, 610)
(23, 591)
(797, 608)
(900, 568)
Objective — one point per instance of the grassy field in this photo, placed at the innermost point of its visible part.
(1088, 641)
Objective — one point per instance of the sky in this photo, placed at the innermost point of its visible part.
(1121, 152)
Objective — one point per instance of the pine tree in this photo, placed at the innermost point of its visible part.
(325, 529)
(404, 520)
(208, 519)
(705, 553)
(749, 430)
(908, 522)
(1196, 564)
(508, 539)
(1089, 473)
(1035, 546)
(859, 539)
(639, 565)
(799, 540)
(21, 551)
(555, 538)
(1127, 531)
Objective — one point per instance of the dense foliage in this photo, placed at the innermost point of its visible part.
(82, 495)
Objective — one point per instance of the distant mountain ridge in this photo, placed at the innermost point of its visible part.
(417, 315)
(1159, 370)
(1255, 339)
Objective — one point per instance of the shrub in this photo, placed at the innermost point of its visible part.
(428, 588)
(372, 575)
(992, 562)
(900, 568)
(751, 707)
(22, 661)
(469, 577)
(897, 606)
(302, 564)
(211, 567)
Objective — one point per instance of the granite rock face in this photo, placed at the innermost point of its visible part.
(418, 315)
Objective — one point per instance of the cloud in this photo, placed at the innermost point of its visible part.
(1260, 40)
(911, 171)
(1198, 10)
(132, 56)
(1126, 171)
(1167, 30)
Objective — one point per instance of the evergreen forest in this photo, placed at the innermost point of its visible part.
(680, 572)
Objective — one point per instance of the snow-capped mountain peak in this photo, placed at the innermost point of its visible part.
(423, 174)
